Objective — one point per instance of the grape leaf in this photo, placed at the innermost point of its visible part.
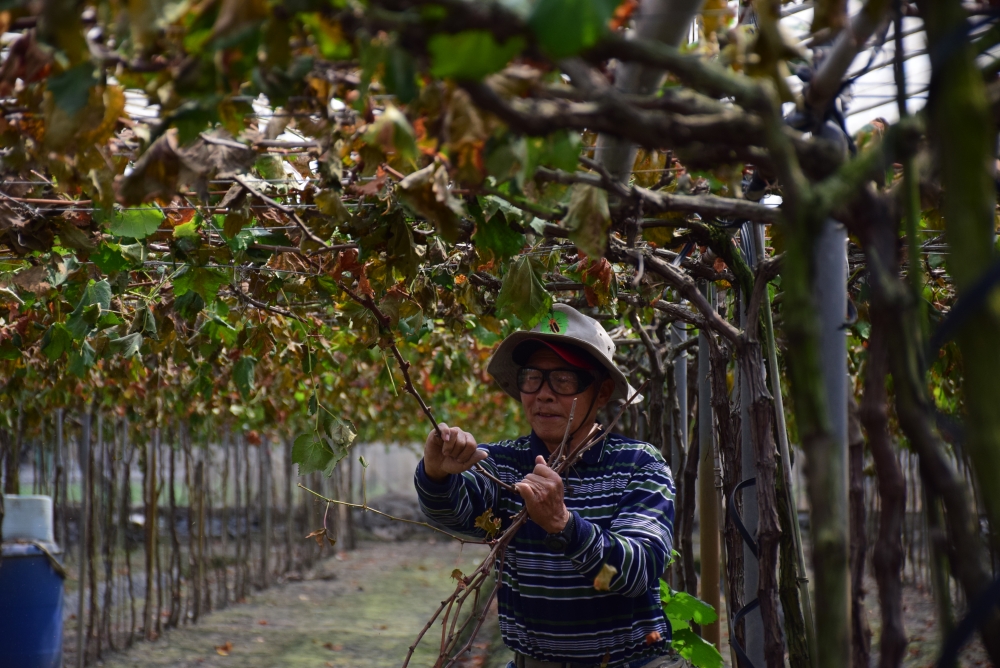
(310, 453)
(206, 282)
(522, 293)
(588, 219)
(488, 523)
(56, 341)
(471, 54)
(127, 345)
(497, 236)
(71, 89)
(243, 375)
(695, 649)
(109, 258)
(81, 360)
(137, 223)
(566, 27)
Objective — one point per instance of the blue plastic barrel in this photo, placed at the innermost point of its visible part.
(31, 609)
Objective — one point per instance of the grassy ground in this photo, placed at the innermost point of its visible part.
(361, 610)
(364, 608)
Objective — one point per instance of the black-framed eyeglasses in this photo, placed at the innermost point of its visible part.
(566, 382)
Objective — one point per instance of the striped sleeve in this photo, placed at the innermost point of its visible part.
(639, 539)
(459, 500)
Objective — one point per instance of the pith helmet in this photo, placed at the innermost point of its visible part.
(565, 325)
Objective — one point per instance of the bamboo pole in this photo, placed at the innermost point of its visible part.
(289, 509)
(223, 596)
(263, 469)
(786, 459)
(707, 497)
(84, 447)
(149, 502)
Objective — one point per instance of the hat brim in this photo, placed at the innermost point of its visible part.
(504, 369)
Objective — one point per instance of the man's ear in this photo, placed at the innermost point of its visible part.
(604, 394)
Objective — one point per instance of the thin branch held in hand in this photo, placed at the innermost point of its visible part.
(404, 366)
(368, 508)
(557, 455)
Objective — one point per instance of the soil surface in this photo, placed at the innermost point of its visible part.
(362, 608)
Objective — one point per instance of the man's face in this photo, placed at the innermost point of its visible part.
(548, 412)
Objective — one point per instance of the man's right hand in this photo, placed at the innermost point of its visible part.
(454, 451)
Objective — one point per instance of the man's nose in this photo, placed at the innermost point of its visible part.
(545, 393)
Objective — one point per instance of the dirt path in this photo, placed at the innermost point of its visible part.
(362, 610)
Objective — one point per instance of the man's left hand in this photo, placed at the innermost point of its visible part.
(542, 491)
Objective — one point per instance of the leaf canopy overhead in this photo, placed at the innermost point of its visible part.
(187, 187)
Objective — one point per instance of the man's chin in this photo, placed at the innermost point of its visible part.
(551, 434)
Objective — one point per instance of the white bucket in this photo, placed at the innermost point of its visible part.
(27, 517)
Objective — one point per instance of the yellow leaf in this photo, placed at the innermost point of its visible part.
(488, 523)
(603, 580)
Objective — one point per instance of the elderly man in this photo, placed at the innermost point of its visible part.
(612, 514)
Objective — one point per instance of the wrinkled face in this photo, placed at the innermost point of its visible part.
(548, 412)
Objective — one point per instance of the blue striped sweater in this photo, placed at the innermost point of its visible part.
(622, 497)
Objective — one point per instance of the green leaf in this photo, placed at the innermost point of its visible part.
(311, 453)
(81, 360)
(126, 346)
(522, 293)
(497, 236)
(564, 28)
(309, 360)
(71, 89)
(108, 258)
(243, 375)
(560, 150)
(400, 74)
(323, 449)
(96, 297)
(695, 649)
(136, 223)
(187, 230)
(8, 351)
(56, 341)
(270, 167)
(189, 305)
(206, 282)
(685, 606)
(588, 219)
(339, 436)
(313, 404)
(241, 241)
(471, 54)
(98, 292)
(143, 323)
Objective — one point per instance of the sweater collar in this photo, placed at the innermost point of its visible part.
(591, 456)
